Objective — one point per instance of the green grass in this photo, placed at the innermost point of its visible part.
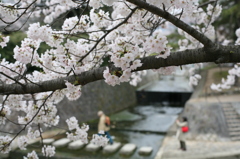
(217, 76)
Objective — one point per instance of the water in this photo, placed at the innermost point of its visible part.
(168, 84)
(150, 121)
(141, 125)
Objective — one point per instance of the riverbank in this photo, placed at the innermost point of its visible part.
(208, 137)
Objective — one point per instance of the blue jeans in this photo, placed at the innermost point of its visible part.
(109, 137)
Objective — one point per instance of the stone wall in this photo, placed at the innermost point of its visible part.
(205, 118)
(97, 96)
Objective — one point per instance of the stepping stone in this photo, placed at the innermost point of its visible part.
(111, 148)
(92, 147)
(128, 149)
(145, 150)
(76, 145)
(48, 141)
(62, 142)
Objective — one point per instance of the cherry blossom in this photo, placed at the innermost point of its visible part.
(5, 144)
(99, 140)
(22, 142)
(32, 155)
(72, 123)
(4, 40)
(48, 151)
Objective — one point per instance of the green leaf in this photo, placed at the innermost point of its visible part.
(153, 54)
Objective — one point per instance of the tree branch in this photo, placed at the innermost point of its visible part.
(175, 21)
(224, 54)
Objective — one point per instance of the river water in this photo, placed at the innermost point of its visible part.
(143, 125)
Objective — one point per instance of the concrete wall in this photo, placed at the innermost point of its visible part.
(206, 118)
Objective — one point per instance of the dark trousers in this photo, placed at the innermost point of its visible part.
(183, 145)
(109, 137)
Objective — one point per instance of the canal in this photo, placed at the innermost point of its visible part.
(143, 125)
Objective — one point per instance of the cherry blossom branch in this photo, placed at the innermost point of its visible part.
(19, 75)
(224, 54)
(12, 79)
(206, 3)
(29, 122)
(9, 23)
(174, 20)
(108, 31)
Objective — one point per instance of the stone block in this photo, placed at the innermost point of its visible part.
(128, 149)
(111, 148)
(92, 147)
(76, 145)
(146, 150)
(61, 142)
(48, 141)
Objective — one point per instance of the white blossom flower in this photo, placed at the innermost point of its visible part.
(32, 155)
(5, 146)
(4, 40)
(48, 151)
(72, 123)
(216, 87)
(99, 140)
(22, 142)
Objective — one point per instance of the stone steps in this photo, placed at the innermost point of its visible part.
(124, 149)
(233, 117)
(233, 121)
(235, 138)
(236, 133)
(234, 129)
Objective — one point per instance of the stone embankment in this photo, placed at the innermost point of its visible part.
(214, 126)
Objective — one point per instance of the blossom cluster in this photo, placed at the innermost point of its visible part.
(31, 155)
(77, 132)
(238, 36)
(193, 77)
(5, 146)
(99, 140)
(48, 151)
(3, 40)
(229, 81)
(202, 20)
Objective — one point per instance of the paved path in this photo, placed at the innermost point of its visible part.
(199, 149)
